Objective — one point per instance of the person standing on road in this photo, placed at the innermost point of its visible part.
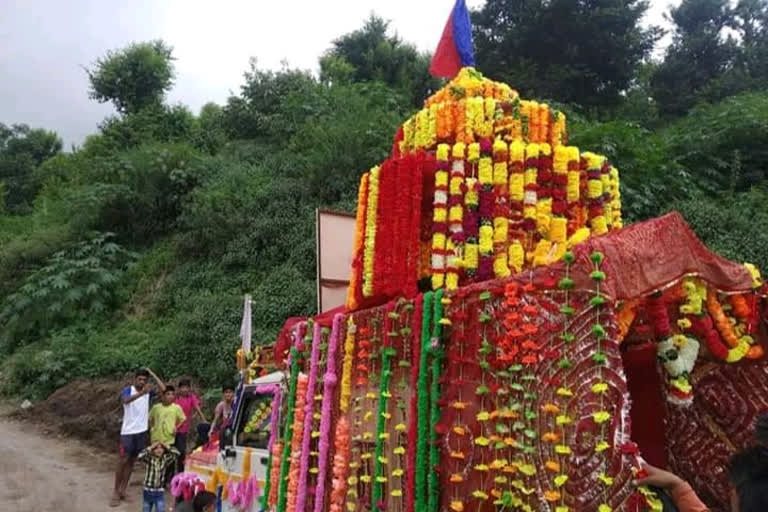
(136, 400)
(190, 404)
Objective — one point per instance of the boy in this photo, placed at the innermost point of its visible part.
(133, 433)
(158, 458)
(190, 404)
(223, 409)
(748, 471)
(165, 418)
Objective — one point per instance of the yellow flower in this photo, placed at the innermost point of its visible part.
(442, 152)
(560, 480)
(562, 449)
(397, 493)
(485, 171)
(572, 190)
(458, 151)
(607, 480)
(516, 256)
(558, 229)
(471, 255)
(516, 151)
(474, 152)
(564, 392)
(600, 387)
(482, 441)
(400, 450)
(532, 150)
(599, 225)
(486, 239)
(457, 506)
(563, 419)
(602, 446)
(481, 467)
(604, 508)
(471, 196)
(516, 186)
(527, 469)
(479, 495)
(483, 416)
(398, 472)
(562, 508)
(601, 416)
(500, 173)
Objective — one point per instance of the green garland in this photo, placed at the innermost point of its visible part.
(423, 406)
(282, 496)
(434, 396)
(387, 352)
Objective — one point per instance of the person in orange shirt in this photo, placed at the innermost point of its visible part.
(678, 489)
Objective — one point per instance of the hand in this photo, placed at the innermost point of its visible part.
(659, 478)
(147, 389)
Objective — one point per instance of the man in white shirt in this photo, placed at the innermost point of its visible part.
(134, 434)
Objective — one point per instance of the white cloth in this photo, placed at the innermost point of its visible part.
(245, 326)
(136, 413)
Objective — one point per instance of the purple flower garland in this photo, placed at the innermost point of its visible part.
(327, 411)
(305, 440)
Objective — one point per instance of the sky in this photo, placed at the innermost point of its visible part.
(45, 45)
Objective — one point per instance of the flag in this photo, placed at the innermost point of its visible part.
(245, 326)
(455, 49)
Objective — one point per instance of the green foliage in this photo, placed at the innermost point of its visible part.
(133, 77)
(370, 54)
(572, 51)
(724, 146)
(650, 177)
(74, 283)
(22, 149)
(734, 225)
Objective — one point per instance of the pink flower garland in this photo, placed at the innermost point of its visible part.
(325, 422)
(277, 396)
(304, 465)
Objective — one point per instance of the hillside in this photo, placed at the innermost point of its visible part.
(136, 248)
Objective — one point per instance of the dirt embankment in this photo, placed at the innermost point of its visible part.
(88, 410)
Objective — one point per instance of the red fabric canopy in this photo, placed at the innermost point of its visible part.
(650, 255)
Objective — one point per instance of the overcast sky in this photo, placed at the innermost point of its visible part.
(45, 43)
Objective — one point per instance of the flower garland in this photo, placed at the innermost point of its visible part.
(370, 231)
(516, 258)
(482, 391)
(455, 217)
(440, 217)
(481, 153)
(532, 153)
(558, 464)
(317, 361)
(738, 347)
(458, 460)
(294, 396)
(354, 297)
(413, 427)
(436, 351)
(422, 461)
(382, 436)
(470, 260)
(601, 416)
(274, 422)
(678, 354)
(342, 453)
(501, 211)
(329, 386)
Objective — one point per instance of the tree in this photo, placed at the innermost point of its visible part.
(372, 54)
(133, 77)
(573, 51)
(696, 63)
(22, 150)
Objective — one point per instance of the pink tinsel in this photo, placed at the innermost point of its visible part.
(325, 421)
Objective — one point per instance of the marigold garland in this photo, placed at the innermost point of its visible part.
(370, 231)
(422, 460)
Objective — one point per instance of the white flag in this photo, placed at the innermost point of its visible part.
(245, 327)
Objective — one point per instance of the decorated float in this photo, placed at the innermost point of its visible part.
(506, 343)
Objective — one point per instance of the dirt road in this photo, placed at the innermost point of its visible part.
(42, 473)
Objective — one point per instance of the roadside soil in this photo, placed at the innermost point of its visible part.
(41, 471)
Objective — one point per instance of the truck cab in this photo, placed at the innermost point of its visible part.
(241, 454)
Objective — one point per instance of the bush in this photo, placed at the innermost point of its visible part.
(734, 225)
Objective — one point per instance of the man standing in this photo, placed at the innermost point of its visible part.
(190, 404)
(134, 431)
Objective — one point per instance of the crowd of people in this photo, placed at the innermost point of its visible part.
(156, 432)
